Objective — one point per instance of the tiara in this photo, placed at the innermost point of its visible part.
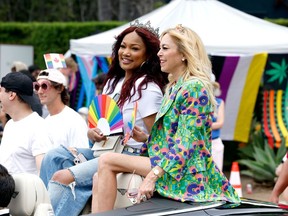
(147, 26)
(180, 28)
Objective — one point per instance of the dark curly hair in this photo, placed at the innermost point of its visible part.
(7, 187)
(151, 68)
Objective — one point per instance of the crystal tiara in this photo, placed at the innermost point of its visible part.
(147, 26)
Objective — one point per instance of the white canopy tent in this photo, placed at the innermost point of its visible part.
(225, 32)
(222, 28)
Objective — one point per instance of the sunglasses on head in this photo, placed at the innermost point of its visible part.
(45, 85)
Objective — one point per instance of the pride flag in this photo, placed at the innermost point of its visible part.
(54, 61)
(90, 67)
(239, 77)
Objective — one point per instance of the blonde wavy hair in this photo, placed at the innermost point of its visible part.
(198, 64)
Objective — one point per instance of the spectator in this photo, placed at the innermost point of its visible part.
(99, 81)
(7, 188)
(218, 121)
(34, 71)
(25, 138)
(18, 66)
(65, 126)
(37, 106)
(70, 73)
(74, 81)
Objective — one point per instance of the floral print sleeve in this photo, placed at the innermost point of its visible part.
(188, 122)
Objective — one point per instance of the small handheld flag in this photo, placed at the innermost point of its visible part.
(131, 124)
(54, 61)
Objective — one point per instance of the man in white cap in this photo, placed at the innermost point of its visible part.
(65, 126)
(25, 139)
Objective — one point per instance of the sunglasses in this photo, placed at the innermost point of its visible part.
(45, 85)
(132, 192)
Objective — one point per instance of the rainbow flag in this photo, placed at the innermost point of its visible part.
(54, 61)
(239, 77)
(131, 124)
(88, 69)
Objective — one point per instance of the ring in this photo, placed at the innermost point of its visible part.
(143, 197)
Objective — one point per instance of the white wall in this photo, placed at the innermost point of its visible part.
(11, 53)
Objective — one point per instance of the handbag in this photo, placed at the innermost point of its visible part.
(111, 144)
(127, 183)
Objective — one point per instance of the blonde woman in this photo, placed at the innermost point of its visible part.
(176, 160)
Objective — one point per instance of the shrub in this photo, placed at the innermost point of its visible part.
(259, 159)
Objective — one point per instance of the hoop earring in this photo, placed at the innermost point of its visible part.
(142, 64)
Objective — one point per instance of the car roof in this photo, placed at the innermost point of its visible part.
(162, 206)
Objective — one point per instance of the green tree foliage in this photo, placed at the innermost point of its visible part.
(50, 37)
(74, 10)
(48, 10)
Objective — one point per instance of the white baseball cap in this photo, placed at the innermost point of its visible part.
(53, 75)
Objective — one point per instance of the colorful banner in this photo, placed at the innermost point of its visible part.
(239, 77)
(275, 100)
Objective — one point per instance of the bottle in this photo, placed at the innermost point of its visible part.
(249, 189)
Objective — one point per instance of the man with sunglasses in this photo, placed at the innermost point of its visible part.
(25, 139)
(65, 126)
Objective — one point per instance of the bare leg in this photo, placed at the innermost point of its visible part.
(106, 192)
(109, 166)
(63, 176)
(94, 206)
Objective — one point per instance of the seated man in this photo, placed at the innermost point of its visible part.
(25, 138)
(64, 125)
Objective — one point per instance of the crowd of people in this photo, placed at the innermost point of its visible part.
(175, 142)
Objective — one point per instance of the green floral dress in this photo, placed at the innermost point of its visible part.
(180, 143)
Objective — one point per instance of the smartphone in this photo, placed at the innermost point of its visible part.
(80, 158)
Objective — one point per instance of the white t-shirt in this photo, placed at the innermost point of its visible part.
(67, 128)
(21, 142)
(148, 104)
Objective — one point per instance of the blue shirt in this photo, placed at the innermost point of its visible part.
(216, 133)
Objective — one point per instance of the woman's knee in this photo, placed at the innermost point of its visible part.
(63, 176)
(106, 160)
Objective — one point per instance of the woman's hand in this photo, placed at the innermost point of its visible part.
(274, 198)
(147, 187)
(138, 135)
(95, 135)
